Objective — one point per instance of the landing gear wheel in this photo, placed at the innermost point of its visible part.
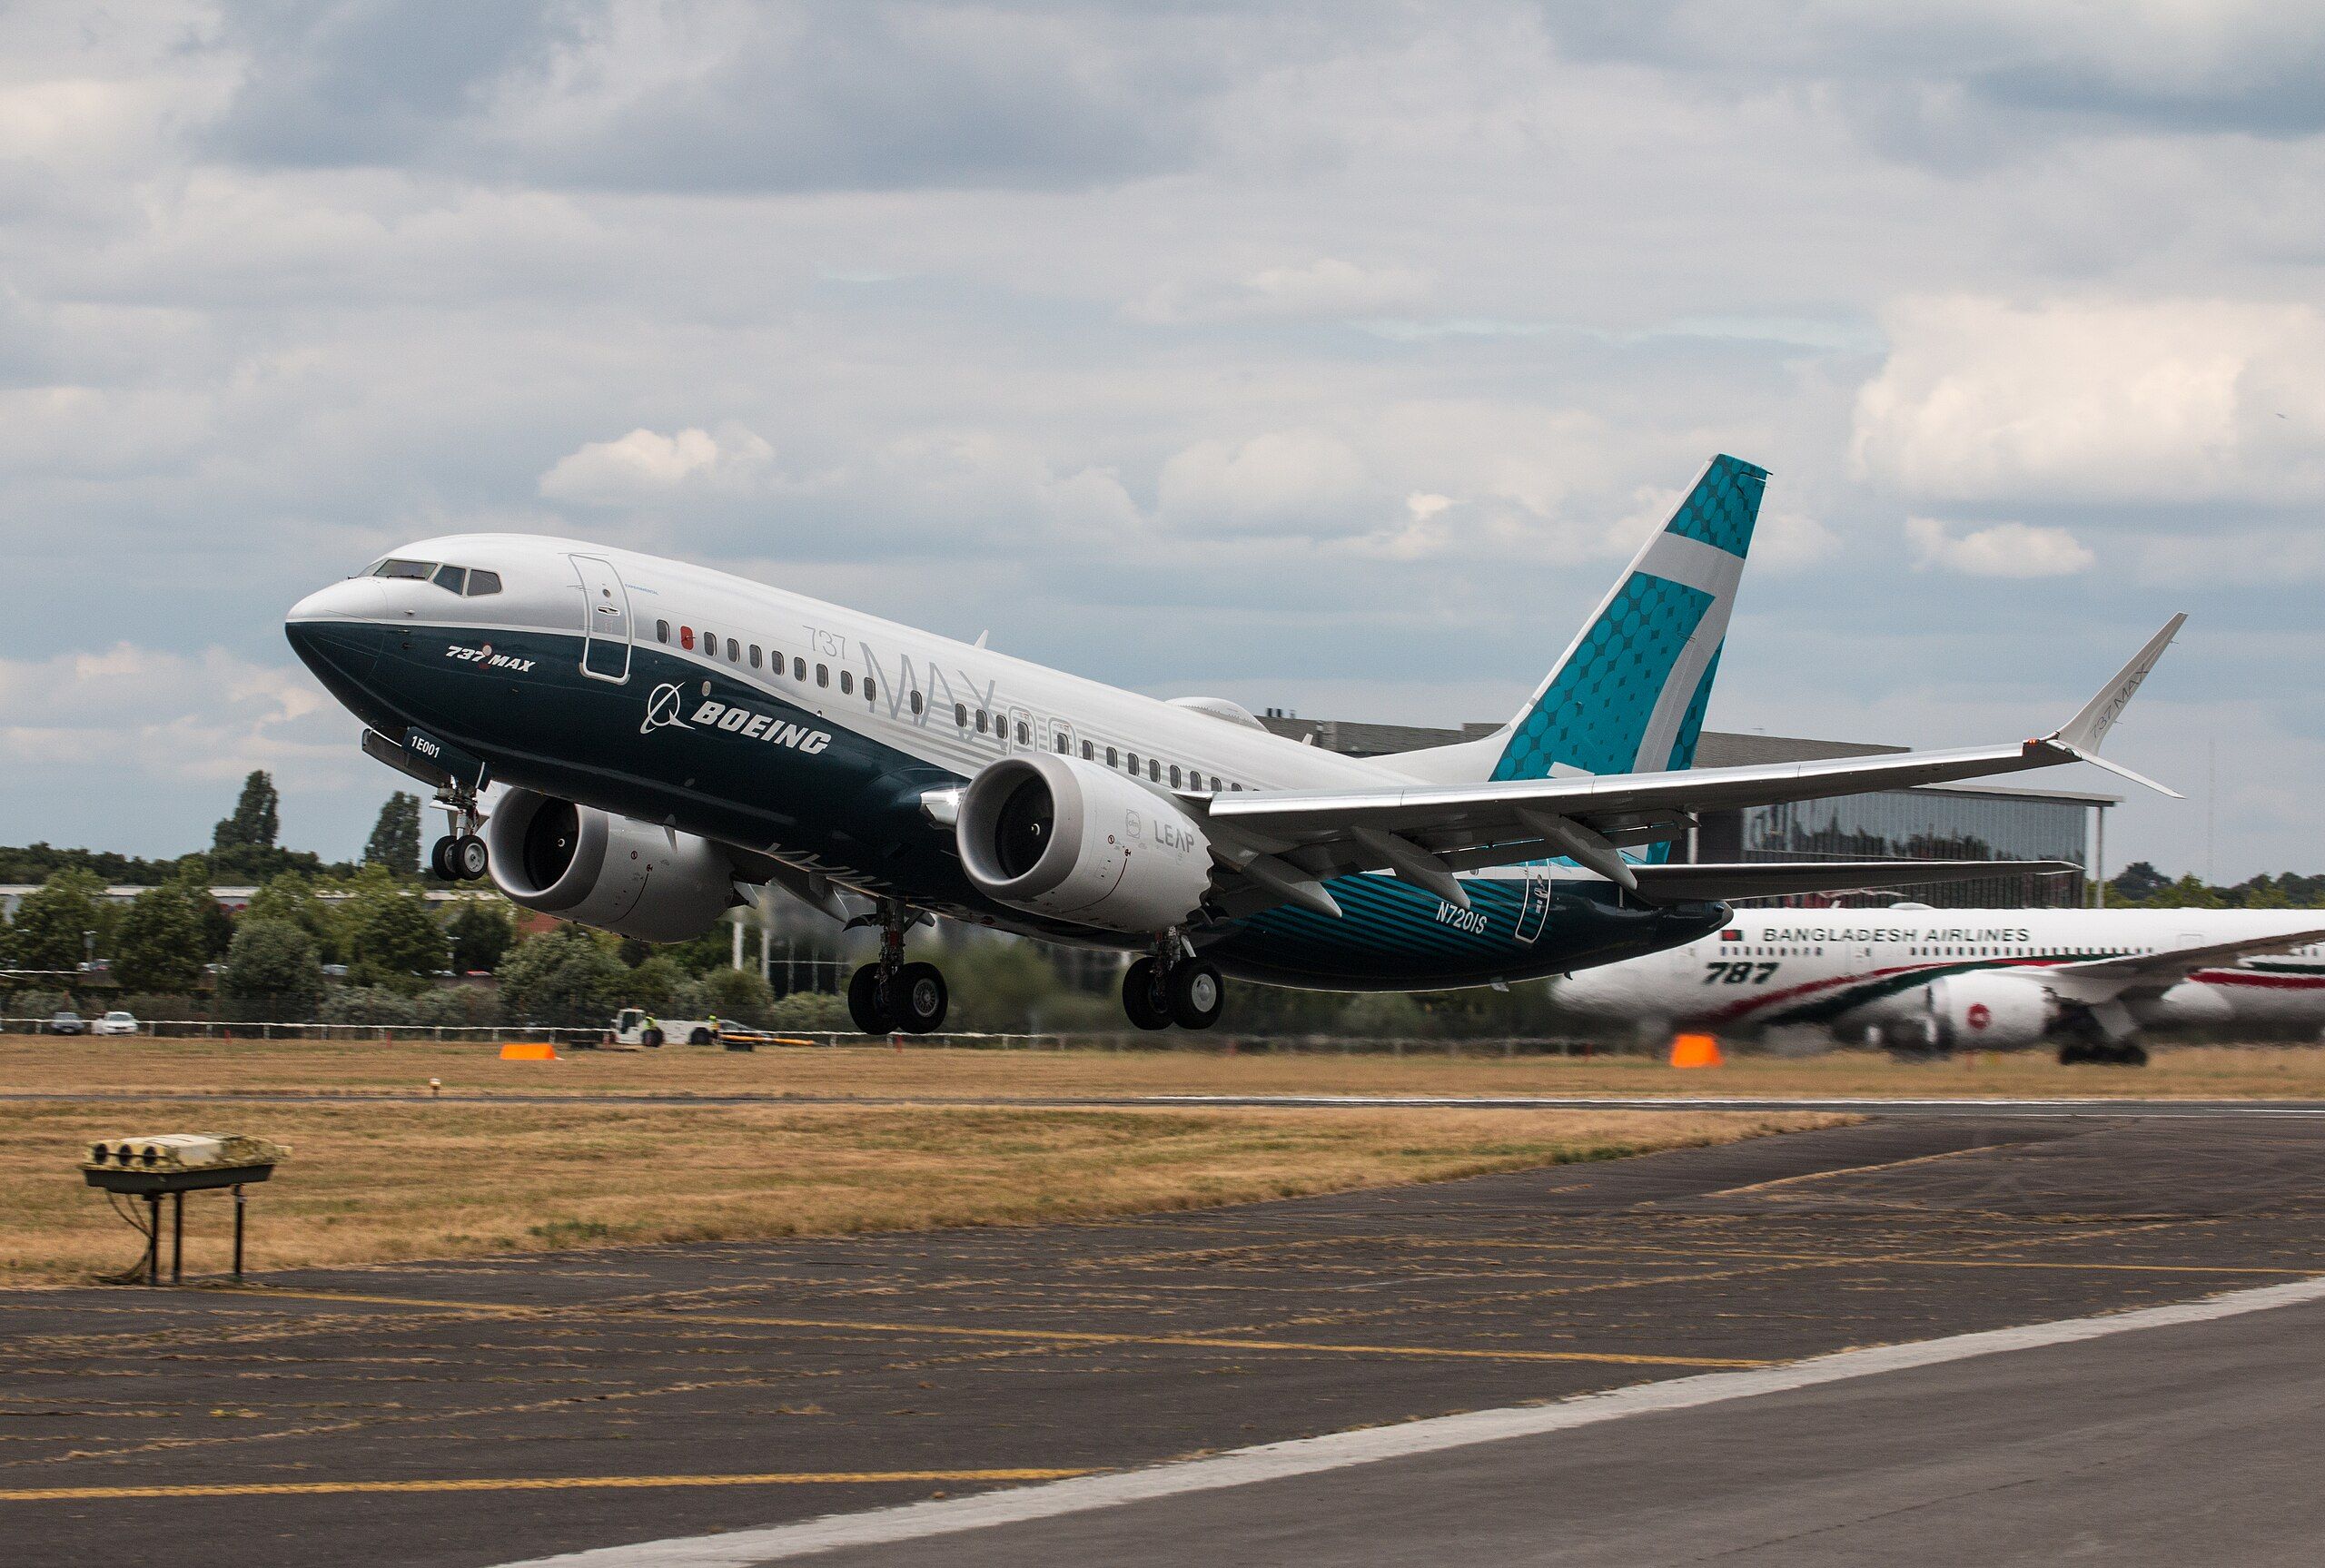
(865, 1004)
(439, 860)
(2073, 1053)
(917, 999)
(469, 857)
(1142, 998)
(1196, 995)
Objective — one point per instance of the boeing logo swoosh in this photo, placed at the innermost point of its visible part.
(663, 709)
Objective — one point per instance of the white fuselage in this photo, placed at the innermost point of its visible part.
(1854, 970)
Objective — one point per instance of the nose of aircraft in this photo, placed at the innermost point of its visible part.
(357, 599)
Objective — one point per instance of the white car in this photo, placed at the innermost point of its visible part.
(114, 1022)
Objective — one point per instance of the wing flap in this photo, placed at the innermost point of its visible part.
(1728, 883)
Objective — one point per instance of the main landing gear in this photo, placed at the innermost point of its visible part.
(1173, 987)
(891, 996)
(460, 855)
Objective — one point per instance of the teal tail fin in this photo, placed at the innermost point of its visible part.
(1629, 694)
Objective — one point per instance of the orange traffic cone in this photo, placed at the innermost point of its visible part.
(1694, 1050)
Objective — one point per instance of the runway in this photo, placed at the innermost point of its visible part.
(1962, 1107)
(513, 1408)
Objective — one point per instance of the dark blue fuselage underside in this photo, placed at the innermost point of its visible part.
(853, 810)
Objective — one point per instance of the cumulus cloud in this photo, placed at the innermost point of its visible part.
(1286, 481)
(2079, 400)
(646, 466)
(2002, 550)
(1326, 287)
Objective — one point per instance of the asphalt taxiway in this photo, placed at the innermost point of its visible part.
(512, 1408)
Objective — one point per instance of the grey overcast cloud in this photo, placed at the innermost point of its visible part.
(1330, 356)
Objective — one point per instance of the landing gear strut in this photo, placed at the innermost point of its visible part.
(892, 996)
(1173, 987)
(460, 855)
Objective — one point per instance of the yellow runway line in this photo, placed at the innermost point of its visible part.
(522, 1483)
(1068, 1336)
(1844, 1170)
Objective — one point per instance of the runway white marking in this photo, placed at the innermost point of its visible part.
(1309, 1456)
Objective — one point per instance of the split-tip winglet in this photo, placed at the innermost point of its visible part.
(2081, 736)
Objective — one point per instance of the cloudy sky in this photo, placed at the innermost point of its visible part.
(1328, 356)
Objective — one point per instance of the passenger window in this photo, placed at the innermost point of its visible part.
(1153, 771)
(481, 583)
(847, 683)
(798, 670)
(686, 638)
(1023, 737)
(915, 703)
(1174, 775)
(1233, 787)
(960, 715)
(754, 655)
(823, 675)
(1088, 751)
(980, 721)
(1133, 761)
(661, 631)
(1063, 744)
(734, 652)
(452, 577)
(1113, 760)
(869, 695)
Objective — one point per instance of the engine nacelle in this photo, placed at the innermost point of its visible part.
(1058, 836)
(615, 872)
(1990, 1012)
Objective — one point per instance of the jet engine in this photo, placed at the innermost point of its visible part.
(1990, 1012)
(1058, 836)
(580, 863)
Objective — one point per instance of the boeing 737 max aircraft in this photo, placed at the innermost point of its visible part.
(639, 743)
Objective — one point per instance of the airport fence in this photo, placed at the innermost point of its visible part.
(586, 1039)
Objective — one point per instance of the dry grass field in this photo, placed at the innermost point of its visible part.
(80, 1066)
(377, 1181)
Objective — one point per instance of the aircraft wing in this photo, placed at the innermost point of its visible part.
(1728, 883)
(1285, 843)
(2098, 978)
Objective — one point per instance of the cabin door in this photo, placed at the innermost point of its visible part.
(605, 619)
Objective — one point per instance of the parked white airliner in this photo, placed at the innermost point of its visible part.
(666, 740)
(1920, 980)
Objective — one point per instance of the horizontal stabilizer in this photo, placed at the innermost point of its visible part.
(1728, 883)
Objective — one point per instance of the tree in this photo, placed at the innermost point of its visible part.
(391, 937)
(395, 838)
(739, 994)
(161, 946)
(272, 971)
(53, 921)
(257, 816)
(291, 897)
(567, 975)
(2137, 881)
(481, 931)
(2188, 893)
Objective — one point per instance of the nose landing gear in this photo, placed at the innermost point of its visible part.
(460, 854)
(1173, 987)
(892, 996)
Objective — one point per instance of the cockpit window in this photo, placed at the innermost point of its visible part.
(453, 578)
(420, 570)
(482, 582)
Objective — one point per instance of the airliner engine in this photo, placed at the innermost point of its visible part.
(1059, 836)
(580, 863)
(1989, 1011)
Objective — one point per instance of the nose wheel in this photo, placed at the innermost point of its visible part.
(459, 857)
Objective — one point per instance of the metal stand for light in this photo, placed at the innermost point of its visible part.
(152, 1185)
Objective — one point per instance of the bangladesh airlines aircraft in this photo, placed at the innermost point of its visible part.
(1940, 980)
(662, 741)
